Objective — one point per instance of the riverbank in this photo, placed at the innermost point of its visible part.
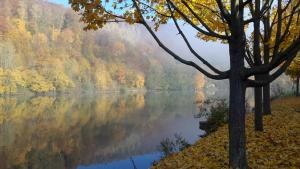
(277, 147)
(28, 93)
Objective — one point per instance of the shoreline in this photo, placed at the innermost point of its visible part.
(95, 92)
(277, 147)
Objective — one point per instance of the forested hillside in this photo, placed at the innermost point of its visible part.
(43, 49)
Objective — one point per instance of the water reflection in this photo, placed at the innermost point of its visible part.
(88, 132)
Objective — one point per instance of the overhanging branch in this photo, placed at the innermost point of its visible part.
(203, 23)
(178, 58)
(189, 21)
(289, 53)
(190, 47)
(269, 79)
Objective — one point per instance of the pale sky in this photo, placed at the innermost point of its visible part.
(63, 2)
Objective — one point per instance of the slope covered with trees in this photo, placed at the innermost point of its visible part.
(43, 49)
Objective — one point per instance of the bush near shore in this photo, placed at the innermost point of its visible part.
(277, 147)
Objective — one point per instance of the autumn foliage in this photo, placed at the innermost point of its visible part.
(44, 50)
(277, 147)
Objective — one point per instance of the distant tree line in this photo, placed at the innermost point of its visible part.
(43, 49)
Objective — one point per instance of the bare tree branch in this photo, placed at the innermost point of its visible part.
(266, 7)
(190, 47)
(178, 58)
(185, 17)
(203, 23)
(256, 41)
(248, 58)
(270, 78)
(153, 9)
(224, 12)
(293, 12)
(279, 27)
(281, 57)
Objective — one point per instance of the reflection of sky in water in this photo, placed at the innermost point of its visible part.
(141, 162)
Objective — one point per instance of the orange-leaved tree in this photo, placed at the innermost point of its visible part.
(294, 72)
(280, 28)
(216, 20)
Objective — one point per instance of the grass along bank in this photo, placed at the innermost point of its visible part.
(277, 147)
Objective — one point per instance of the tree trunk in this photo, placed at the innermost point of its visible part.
(237, 138)
(237, 111)
(267, 100)
(258, 122)
(297, 86)
(266, 88)
(258, 107)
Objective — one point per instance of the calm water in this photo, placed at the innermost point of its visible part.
(102, 132)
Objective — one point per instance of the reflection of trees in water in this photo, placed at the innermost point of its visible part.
(62, 132)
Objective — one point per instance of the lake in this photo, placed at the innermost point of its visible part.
(107, 131)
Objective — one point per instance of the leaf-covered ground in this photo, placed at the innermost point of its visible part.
(277, 147)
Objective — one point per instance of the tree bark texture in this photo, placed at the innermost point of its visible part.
(258, 107)
(267, 100)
